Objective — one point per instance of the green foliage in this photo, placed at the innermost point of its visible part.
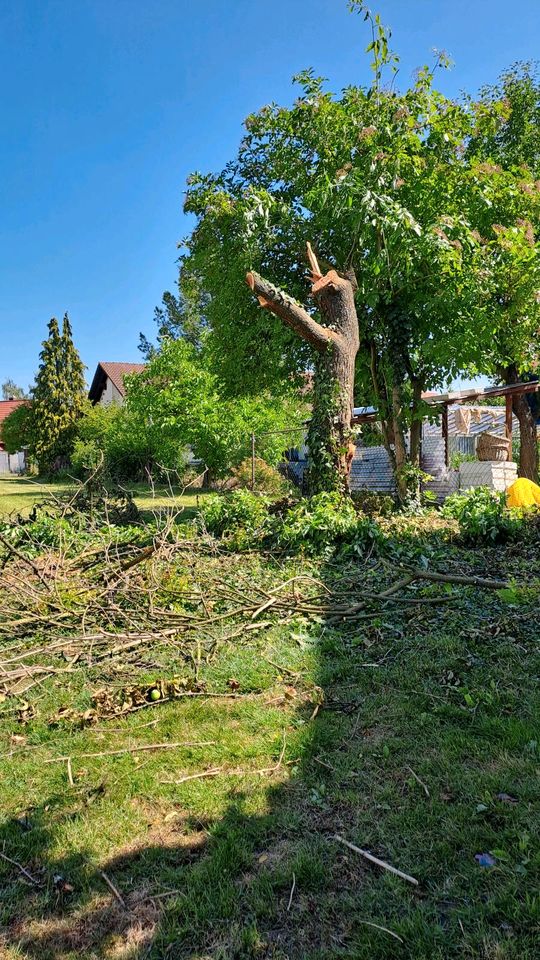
(268, 480)
(179, 401)
(180, 316)
(15, 430)
(58, 399)
(483, 516)
(458, 458)
(241, 517)
(503, 154)
(321, 474)
(126, 446)
(372, 503)
(326, 520)
(11, 391)
(432, 202)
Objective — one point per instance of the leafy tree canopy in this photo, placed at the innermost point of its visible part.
(179, 401)
(11, 391)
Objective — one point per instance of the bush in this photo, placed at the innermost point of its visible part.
(482, 516)
(241, 517)
(128, 448)
(327, 519)
(373, 504)
(268, 480)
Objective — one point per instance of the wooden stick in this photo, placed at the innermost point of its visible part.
(375, 860)
(265, 606)
(418, 780)
(369, 923)
(70, 772)
(114, 889)
(20, 556)
(292, 892)
(144, 746)
(20, 867)
(197, 776)
(466, 581)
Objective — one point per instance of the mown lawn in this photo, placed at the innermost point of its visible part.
(19, 494)
(410, 730)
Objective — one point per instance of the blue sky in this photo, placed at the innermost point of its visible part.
(108, 105)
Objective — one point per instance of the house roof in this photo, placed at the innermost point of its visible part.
(7, 407)
(115, 372)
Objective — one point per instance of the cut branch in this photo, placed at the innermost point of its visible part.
(288, 310)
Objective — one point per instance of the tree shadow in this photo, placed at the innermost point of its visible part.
(276, 884)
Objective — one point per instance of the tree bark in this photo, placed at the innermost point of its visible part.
(528, 445)
(336, 343)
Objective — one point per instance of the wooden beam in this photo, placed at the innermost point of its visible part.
(508, 420)
(445, 433)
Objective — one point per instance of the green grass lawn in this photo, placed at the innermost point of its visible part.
(19, 494)
(411, 731)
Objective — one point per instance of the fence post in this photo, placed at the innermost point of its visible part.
(253, 461)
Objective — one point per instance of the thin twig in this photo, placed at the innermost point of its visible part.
(375, 860)
(369, 923)
(198, 776)
(292, 892)
(418, 780)
(20, 867)
(114, 889)
(20, 556)
(144, 746)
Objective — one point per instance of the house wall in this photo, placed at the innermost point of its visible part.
(110, 394)
(12, 462)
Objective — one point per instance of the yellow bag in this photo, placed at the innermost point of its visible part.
(523, 493)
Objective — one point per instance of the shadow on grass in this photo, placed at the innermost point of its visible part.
(424, 723)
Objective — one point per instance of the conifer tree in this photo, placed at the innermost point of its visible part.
(58, 398)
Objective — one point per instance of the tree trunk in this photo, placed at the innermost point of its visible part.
(528, 447)
(336, 343)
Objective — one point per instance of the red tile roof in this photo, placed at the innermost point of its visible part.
(115, 372)
(7, 407)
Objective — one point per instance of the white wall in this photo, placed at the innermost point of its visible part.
(11, 462)
(111, 394)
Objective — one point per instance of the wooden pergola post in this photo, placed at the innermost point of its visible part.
(445, 433)
(508, 421)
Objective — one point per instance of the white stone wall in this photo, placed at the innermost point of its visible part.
(495, 474)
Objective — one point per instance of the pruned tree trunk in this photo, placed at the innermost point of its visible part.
(528, 446)
(336, 343)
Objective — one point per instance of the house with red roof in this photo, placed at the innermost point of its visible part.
(108, 384)
(10, 462)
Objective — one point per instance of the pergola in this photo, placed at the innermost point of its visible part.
(445, 400)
